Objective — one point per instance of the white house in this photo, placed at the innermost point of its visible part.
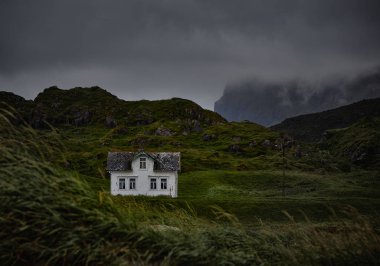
(144, 173)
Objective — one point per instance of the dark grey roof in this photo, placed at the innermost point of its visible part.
(163, 161)
(119, 161)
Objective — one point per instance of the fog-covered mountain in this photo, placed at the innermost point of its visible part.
(269, 103)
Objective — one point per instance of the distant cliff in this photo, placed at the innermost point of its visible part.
(270, 103)
(310, 127)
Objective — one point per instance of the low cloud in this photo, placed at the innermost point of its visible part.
(268, 103)
(182, 48)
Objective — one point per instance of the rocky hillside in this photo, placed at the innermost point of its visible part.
(310, 127)
(91, 122)
(358, 143)
(90, 106)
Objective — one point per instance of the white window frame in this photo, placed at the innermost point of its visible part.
(159, 182)
(151, 182)
(164, 183)
(127, 182)
(120, 182)
(130, 183)
(143, 161)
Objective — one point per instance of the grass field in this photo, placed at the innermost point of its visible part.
(58, 214)
(256, 196)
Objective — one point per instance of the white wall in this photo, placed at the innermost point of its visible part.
(142, 177)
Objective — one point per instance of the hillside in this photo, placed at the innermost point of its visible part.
(310, 127)
(22, 106)
(229, 212)
(95, 106)
(235, 205)
(92, 122)
(358, 143)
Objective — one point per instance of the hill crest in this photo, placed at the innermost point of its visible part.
(310, 127)
(93, 105)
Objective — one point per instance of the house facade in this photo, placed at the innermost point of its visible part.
(144, 173)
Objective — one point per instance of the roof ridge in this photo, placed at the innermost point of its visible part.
(166, 161)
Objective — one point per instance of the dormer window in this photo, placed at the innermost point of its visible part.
(142, 163)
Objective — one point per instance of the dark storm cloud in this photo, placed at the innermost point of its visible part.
(269, 103)
(190, 49)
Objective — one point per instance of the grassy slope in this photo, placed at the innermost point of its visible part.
(87, 147)
(212, 173)
(310, 127)
(359, 143)
(246, 183)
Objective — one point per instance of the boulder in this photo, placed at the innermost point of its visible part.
(140, 142)
(176, 143)
(358, 154)
(267, 143)
(121, 130)
(196, 126)
(82, 118)
(208, 137)
(161, 131)
(252, 143)
(110, 122)
(235, 148)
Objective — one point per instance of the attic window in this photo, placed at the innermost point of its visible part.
(142, 163)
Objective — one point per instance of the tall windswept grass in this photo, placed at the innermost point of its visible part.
(48, 216)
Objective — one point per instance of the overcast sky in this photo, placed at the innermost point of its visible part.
(171, 48)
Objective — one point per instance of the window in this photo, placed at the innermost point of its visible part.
(121, 183)
(132, 183)
(153, 183)
(142, 163)
(164, 183)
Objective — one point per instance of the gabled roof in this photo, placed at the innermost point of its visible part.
(163, 161)
(142, 153)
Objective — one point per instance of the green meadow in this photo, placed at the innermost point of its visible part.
(240, 201)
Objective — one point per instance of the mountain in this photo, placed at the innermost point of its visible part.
(350, 133)
(269, 103)
(91, 122)
(89, 106)
(310, 127)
